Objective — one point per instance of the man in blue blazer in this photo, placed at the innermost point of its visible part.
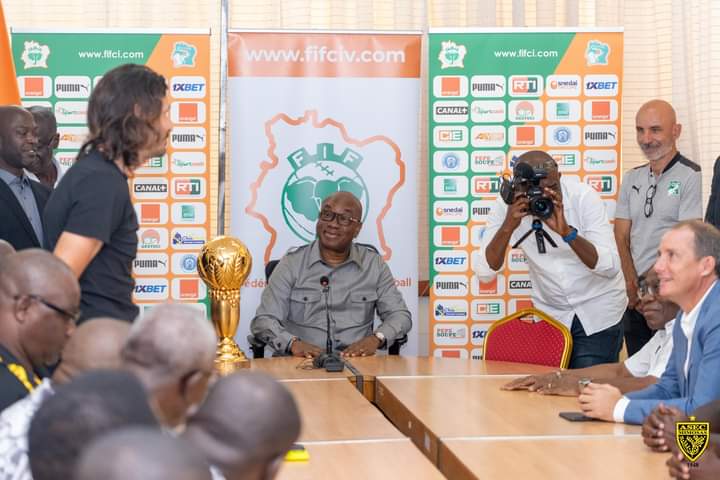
(688, 267)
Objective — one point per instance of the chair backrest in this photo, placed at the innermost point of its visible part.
(513, 339)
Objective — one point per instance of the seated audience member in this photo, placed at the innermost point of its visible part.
(245, 426)
(45, 169)
(291, 317)
(580, 282)
(5, 248)
(23, 200)
(637, 372)
(91, 405)
(687, 267)
(39, 303)
(171, 349)
(141, 453)
(94, 345)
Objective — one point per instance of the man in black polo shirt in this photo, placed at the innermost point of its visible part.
(39, 303)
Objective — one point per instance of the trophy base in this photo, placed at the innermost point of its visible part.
(227, 367)
(229, 357)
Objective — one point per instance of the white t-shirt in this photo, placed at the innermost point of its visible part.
(652, 358)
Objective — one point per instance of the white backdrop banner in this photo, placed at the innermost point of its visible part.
(312, 114)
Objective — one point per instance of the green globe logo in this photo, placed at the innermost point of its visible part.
(315, 177)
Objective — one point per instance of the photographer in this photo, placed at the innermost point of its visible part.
(578, 280)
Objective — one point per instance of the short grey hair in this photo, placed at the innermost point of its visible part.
(707, 240)
(169, 341)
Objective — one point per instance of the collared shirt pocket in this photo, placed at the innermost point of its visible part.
(363, 306)
(302, 304)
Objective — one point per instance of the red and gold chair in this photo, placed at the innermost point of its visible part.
(516, 339)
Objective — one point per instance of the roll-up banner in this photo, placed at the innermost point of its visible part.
(59, 69)
(494, 94)
(312, 113)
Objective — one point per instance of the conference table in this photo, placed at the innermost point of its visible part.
(426, 417)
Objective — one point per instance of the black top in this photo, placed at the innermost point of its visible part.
(12, 388)
(93, 200)
(712, 214)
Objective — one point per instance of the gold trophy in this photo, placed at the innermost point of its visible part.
(223, 264)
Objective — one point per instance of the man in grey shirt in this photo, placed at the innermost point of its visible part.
(653, 197)
(291, 318)
(23, 200)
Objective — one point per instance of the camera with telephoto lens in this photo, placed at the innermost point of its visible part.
(526, 178)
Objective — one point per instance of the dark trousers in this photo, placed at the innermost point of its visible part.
(637, 333)
(601, 347)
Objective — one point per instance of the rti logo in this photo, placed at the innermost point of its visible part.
(525, 86)
(485, 185)
(603, 184)
(187, 187)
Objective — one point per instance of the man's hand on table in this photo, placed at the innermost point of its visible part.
(304, 349)
(363, 347)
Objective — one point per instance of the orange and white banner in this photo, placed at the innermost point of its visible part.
(9, 94)
(314, 113)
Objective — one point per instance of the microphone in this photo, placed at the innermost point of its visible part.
(330, 361)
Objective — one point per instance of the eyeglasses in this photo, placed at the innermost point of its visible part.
(342, 219)
(649, 195)
(73, 317)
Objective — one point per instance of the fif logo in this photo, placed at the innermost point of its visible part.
(597, 53)
(451, 55)
(35, 55)
(183, 55)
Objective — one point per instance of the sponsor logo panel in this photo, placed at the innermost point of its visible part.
(151, 213)
(476, 353)
(600, 135)
(188, 87)
(488, 111)
(601, 110)
(188, 289)
(187, 112)
(450, 353)
(450, 211)
(188, 188)
(189, 213)
(493, 288)
(525, 111)
(155, 165)
(151, 289)
(188, 238)
(35, 86)
(71, 138)
(188, 163)
(450, 136)
(184, 263)
(526, 136)
(450, 260)
(151, 264)
(567, 160)
(519, 284)
(603, 184)
(517, 261)
(476, 235)
(601, 85)
(487, 161)
(70, 112)
(70, 86)
(487, 309)
(450, 186)
(492, 86)
(150, 188)
(188, 137)
(563, 85)
(480, 209)
(450, 86)
(450, 161)
(152, 238)
(448, 309)
(450, 334)
(563, 110)
(563, 135)
(478, 332)
(488, 136)
(485, 185)
(600, 160)
(451, 285)
(450, 235)
(517, 304)
(526, 85)
(450, 111)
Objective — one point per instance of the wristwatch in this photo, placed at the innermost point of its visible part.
(380, 336)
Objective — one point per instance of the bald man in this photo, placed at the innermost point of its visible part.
(141, 453)
(579, 281)
(171, 349)
(94, 345)
(245, 440)
(39, 305)
(653, 197)
(45, 169)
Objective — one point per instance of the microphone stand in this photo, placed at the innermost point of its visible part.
(329, 360)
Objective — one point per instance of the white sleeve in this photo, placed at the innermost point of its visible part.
(639, 363)
(479, 263)
(597, 230)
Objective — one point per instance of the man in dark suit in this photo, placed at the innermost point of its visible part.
(24, 199)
